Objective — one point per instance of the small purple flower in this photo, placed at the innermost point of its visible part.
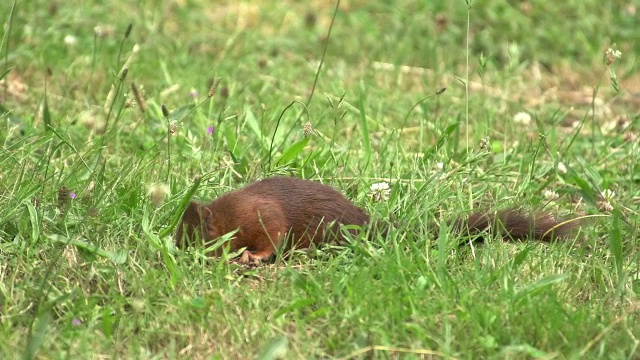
(210, 130)
(76, 322)
(193, 93)
(73, 195)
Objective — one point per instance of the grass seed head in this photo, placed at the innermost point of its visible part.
(308, 130)
(138, 95)
(127, 31)
(124, 73)
(173, 127)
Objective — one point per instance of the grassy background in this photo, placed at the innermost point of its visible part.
(89, 182)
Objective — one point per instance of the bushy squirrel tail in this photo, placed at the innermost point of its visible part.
(516, 224)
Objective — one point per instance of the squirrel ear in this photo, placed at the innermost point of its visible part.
(197, 212)
(200, 213)
(207, 221)
(204, 212)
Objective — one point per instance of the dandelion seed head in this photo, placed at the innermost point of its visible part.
(158, 192)
(522, 118)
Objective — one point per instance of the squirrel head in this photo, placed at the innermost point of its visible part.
(197, 224)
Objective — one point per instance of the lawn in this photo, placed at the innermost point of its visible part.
(114, 113)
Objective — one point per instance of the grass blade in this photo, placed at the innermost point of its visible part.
(615, 242)
(274, 348)
(119, 257)
(37, 335)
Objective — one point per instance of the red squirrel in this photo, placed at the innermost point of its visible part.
(284, 212)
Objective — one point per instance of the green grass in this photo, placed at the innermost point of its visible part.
(97, 276)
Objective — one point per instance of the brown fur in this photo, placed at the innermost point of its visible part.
(516, 225)
(283, 212)
(269, 213)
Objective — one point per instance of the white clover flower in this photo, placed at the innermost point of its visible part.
(611, 55)
(380, 191)
(605, 199)
(381, 186)
(440, 165)
(70, 40)
(562, 168)
(522, 118)
(608, 194)
(550, 195)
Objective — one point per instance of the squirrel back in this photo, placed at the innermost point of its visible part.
(269, 214)
(284, 212)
